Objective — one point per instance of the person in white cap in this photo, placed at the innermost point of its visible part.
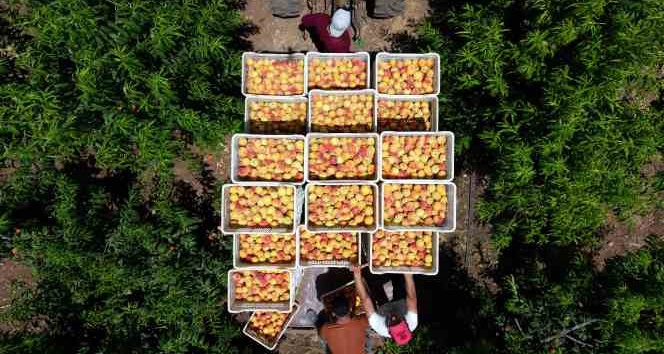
(330, 34)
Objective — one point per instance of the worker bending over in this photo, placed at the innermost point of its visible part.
(346, 335)
(396, 319)
(330, 35)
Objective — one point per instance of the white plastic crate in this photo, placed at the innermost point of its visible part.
(236, 306)
(432, 99)
(277, 127)
(407, 269)
(314, 229)
(377, 159)
(290, 56)
(449, 154)
(314, 93)
(450, 217)
(225, 211)
(238, 263)
(383, 56)
(263, 341)
(364, 56)
(235, 155)
(332, 263)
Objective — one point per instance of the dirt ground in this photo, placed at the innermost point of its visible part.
(472, 240)
(11, 272)
(283, 35)
(620, 237)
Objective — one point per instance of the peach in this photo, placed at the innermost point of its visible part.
(270, 159)
(405, 249)
(400, 115)
(342, 158)
(262, 286)
(328, 246)
(406, 76)
(260, 206)
(273, 117)
(276, 77)
(267, 248)
(337, 73)
(347, 113)
(340, 206)
(414, 157)
(268, 324)
(413, 204)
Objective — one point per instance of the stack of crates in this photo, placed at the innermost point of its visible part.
(318, 175)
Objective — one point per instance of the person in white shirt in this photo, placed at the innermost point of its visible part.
(396, 319)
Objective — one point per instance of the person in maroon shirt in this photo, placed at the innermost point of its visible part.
(330, 35)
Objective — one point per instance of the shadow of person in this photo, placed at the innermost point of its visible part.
(332, 280)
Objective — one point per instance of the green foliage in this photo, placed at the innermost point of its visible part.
(550, 98)
(635, 305)
(127, 259)
(558, 102)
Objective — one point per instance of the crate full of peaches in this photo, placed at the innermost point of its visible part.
(259, 208)
(413, 252)
(328, 249)
(260, 290)
(267, 327)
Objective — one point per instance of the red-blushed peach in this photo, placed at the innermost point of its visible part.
(268, 324)
(406, 76)
(413, 204)
(273, 117)
(262, 286)
(267, 248)
(333, 158)
(347, 113)
(260, 206)
(337, 73)
(328, 246)
(402, 115)
(414, 157)
(270, 159)
(344, 205)
(402, 249)
(275, 77)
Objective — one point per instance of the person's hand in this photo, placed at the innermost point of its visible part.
(357, 270)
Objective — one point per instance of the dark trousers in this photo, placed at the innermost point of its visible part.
(375, 283)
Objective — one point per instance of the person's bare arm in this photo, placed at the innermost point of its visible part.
(362, 291)
(411, 295)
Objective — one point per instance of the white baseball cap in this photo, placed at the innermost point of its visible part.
(340, 22)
